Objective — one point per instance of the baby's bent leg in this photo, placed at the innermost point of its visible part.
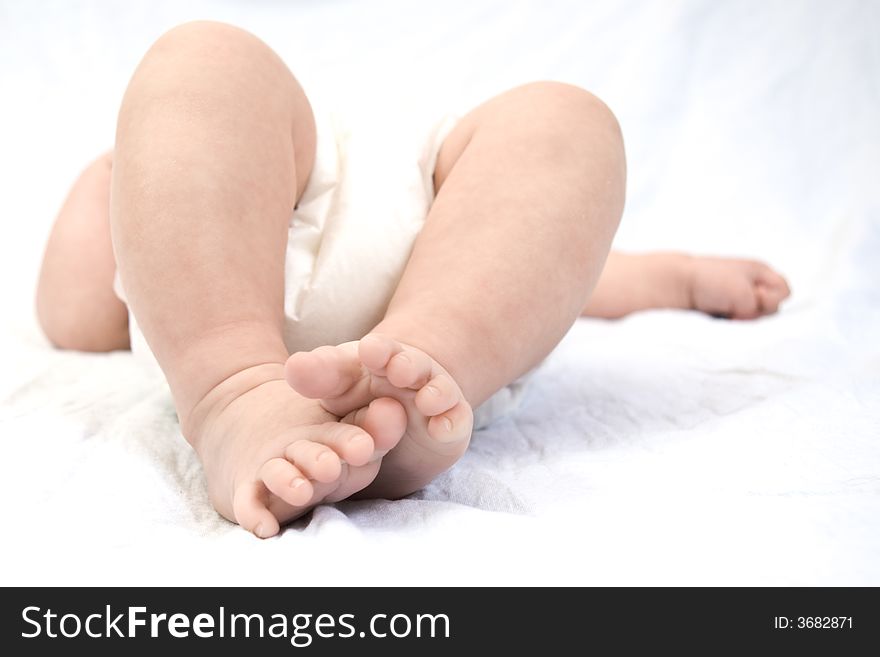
(215, 143)
(724, 287)
(76, 305)
(530, 193)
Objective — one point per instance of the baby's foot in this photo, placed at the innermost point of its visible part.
(736, 289)
(271, 455)
(351, 376)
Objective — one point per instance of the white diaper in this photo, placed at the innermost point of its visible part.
(353, 229)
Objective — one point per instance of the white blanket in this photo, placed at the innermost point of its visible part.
(667, 448)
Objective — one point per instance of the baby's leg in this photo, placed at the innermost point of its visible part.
(724, 287)
(530, 192)
(76, 305)
(215, 143)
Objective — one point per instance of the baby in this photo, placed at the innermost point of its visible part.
(213, 176)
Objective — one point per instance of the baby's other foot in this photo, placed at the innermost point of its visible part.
(736, 289)
(349, 377)
(270, 455)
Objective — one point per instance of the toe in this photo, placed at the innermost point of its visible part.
(356, 480)
(315, 460)
(403, 366)
(439, 395)
(409, 369)
(332, 374)
(249, 509)
(324, 372)
(286, 481)
(375, 351)
(352, 444)
(384, 419)
(305, 373)
(455, 424)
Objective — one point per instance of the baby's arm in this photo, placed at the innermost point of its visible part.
(726, 287)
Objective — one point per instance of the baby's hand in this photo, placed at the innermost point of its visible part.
(736, 289)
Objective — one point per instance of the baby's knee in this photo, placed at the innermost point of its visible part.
(565, 108)
(209, 49)
(172, 67)
(565, 125)
(206, 67)
(572, 130)
(205, 37)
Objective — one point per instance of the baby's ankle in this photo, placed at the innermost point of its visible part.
(197, 369)
(197, 417)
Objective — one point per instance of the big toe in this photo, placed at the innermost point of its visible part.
(323, 372)
(384, 419)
